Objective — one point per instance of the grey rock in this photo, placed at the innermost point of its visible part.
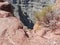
(24, 9)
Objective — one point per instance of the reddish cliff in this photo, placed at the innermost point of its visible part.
(13, 32)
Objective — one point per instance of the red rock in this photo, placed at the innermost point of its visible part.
(6, 7)
(4, 14)
(9, 24)
(57, 32)
(10, 29)
(12, 32)
(1, 0)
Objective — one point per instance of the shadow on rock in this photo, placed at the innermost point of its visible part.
(24, 19)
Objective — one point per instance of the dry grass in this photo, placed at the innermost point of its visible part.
(40, 16)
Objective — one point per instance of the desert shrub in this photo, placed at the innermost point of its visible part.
(44, 13)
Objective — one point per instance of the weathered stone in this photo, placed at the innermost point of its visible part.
(6, 7)
(4, 14)
(12, 32)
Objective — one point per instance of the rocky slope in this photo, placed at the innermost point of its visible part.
(13, 32)
(25, 9)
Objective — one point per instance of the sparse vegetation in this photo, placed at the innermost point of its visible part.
(44, 16)
(40, 16)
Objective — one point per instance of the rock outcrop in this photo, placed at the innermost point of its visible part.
(13, 32)
(6, 7)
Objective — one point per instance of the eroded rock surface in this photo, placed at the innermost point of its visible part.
(13, 32)
(4, 14)
(6, 7)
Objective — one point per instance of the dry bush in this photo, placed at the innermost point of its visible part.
(45, 17)
(45, 13)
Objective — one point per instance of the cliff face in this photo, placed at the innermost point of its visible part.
(25, 9)
(13, 32)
